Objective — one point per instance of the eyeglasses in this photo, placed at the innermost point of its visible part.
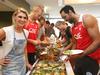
(22, 17)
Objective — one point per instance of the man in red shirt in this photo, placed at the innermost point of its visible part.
(33, 28)
(86, 33)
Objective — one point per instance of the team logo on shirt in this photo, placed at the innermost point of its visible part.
(77, 36)
(31, 30)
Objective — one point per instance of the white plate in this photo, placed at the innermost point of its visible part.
(63, 57)
(43, 53)
(72, 52)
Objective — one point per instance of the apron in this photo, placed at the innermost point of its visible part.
(16, 55)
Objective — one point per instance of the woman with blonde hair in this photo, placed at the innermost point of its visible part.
(13, 44)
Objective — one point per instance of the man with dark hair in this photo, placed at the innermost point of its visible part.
(86, 37)
(67, 8)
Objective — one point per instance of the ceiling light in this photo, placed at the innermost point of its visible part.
(45, 9)
(80, 1)
(86, 1)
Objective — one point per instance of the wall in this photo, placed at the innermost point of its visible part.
(5, 18)
(5, 15)
(21, 3)
(98, 23)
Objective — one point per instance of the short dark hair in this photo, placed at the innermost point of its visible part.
(52, 24)
(66, 9)
(47, 22)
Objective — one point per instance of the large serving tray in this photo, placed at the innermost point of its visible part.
(69, 70)
(30, 71)
(43, 67)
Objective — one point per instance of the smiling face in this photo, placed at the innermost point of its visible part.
(36, 13)
(20, 18)
(61, 25)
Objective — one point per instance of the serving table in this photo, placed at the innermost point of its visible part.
(51, 63)
(69, 70)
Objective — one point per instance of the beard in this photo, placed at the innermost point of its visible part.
(71, 21)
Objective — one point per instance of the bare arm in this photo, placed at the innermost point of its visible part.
(69, 45)
(2, 34)
(4, 61)
(34, 42)
(91, 24)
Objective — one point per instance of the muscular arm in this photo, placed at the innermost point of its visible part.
(91, 24)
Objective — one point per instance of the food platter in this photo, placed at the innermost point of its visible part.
(43, 67)
(50, 63)
(72, 52)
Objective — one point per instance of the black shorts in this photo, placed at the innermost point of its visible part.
(86, 66)
(32, 57)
